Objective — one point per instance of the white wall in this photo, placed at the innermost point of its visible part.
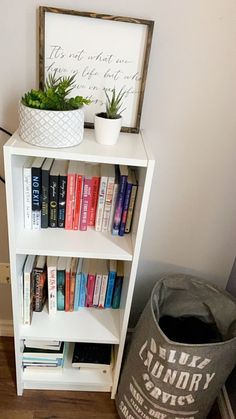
(188, 117)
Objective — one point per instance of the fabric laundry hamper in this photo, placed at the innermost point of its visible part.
(166, 379)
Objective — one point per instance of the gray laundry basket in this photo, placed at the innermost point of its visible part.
(165, 379)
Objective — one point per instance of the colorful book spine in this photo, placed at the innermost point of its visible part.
(60, 290)
(101, 203)
(83, 290)
(62, 201)
(94, 200)
(36, 197)
(39, 279)
(97, 289)
(108, 204)
(71, 182)
(53, 200)
(119, 204)
(67, 290)
(78, 200)
(117, 292)
(77, 289)
(110, 288)
(90, 290)
(125, 209)
(129, 220)
(52, 286)
(103, 291)
(27, 186)
(72, 291)
(113, 206)
(85, 204)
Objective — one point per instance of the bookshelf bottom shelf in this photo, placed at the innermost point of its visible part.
(69, 378)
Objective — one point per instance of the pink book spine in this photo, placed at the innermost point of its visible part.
(94, 200)
(90, 290)
(70, 201)
(85, 204)
(78, 198)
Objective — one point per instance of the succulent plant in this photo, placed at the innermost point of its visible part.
(114, 104)
(55, 95)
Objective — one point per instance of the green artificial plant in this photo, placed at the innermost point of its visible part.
(114, 103)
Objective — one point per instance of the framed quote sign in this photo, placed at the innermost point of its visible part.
(105, 52)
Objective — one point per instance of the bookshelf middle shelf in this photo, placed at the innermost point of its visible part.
(85, 325)
(88, 244)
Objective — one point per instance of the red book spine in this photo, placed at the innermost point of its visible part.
(70, 201)
(85, 204)
(90, 290)
(78, 199)
(67, 291)
(94, 200)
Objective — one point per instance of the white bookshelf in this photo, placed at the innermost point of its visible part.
(85, 325)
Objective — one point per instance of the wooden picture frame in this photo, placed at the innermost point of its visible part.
(104, 51)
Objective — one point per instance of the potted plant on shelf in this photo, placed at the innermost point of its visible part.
(49, 118)
(108, 124)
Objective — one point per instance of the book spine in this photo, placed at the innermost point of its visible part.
(129, 220)
(119, 205)
(72, 291)
(108, 203)
(39, 278)
(94, 200)
(53, 200)
(27, 187)
(77, 289)
(103, 291)
(36, 220)
(36, 197)
(78, 200)
(45, 198)
(85, 204)
(52, 289)
(90, 290)
(113, 206)
(67, 291)
(125, 209)
(97, 289)
(62, 201)
(27, 297)
(60, 290)
(70, 201)
(101, 203)
(110, 288)
(117, 292)
(83, 290)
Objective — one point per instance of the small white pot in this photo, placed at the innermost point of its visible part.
(51, 128)
(107, 130)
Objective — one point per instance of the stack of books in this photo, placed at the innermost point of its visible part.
(76, 195)
(69, 283)
(43, 355)
(93, 355)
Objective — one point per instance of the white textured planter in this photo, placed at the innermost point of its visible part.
(107, 130)
(51, 128)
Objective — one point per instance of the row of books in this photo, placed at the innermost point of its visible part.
(76, 195)
(69, 283)
(43, 356)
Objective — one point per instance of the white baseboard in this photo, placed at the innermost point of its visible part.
(224, 405)
(6, 328)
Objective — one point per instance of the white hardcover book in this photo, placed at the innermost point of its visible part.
(98, 282)
(52, 283)
(28, 288)
(101, 197)
(103, 290)
(108, 198)
(27, 189)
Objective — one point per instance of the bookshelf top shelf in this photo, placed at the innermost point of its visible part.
(129, 150)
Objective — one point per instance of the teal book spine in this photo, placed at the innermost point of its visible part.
(83, 290)
(77, 290)
(110, 288)
(61, 290)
